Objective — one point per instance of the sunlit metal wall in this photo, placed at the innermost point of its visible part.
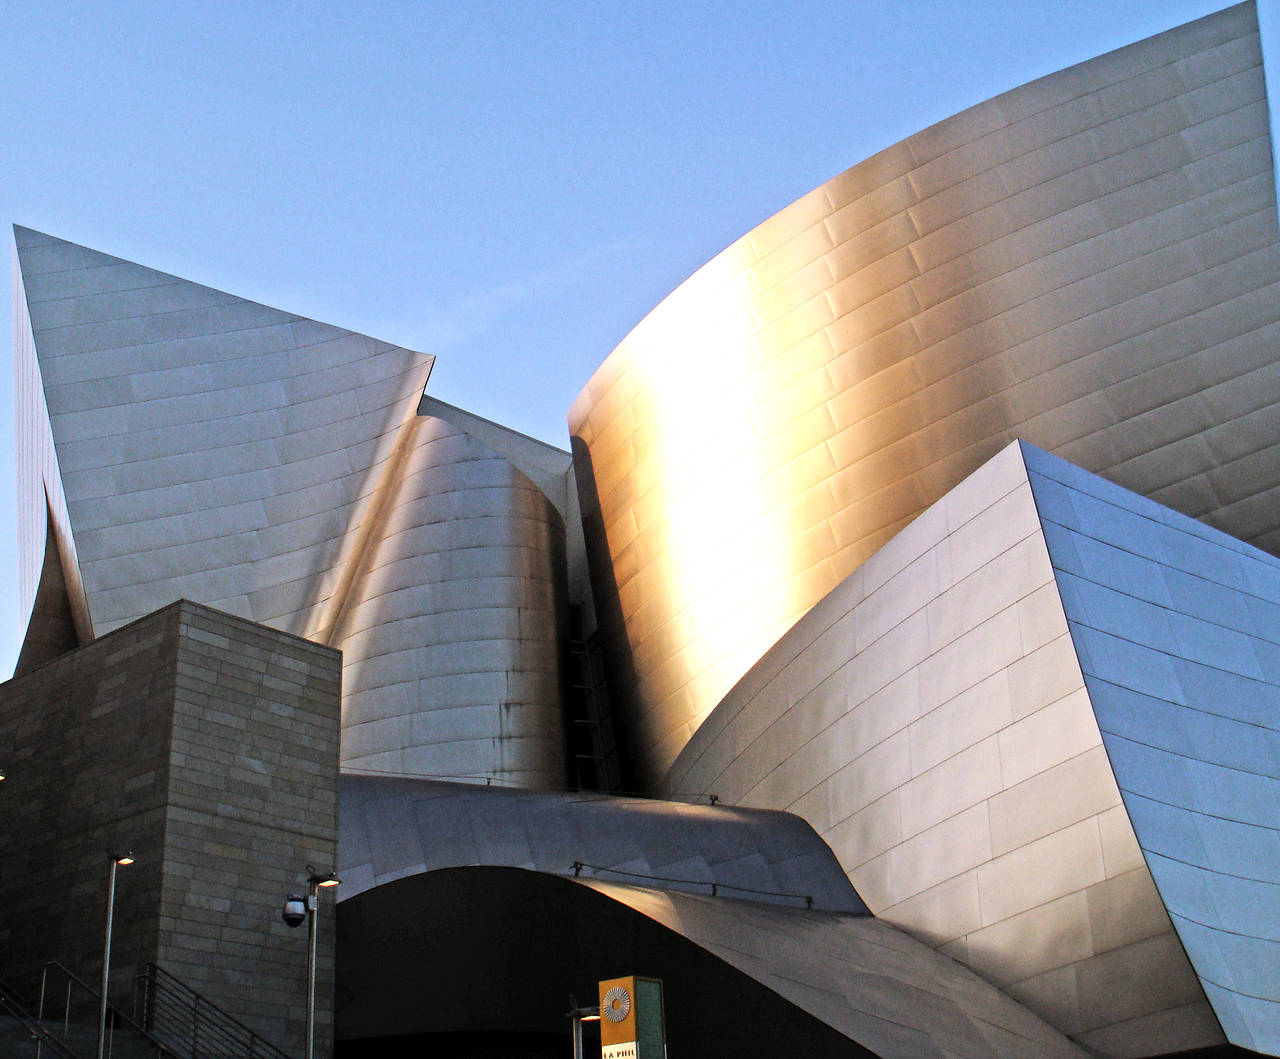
(930, 719)
(226, 452)
(1176, 629)
(1089, 261)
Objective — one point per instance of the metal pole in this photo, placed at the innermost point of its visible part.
(312, 908)
(44, 974)
(577, 1036)
(106, 958)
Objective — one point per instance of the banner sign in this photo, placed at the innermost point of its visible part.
(632, 1023)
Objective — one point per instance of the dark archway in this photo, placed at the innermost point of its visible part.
(480, 962)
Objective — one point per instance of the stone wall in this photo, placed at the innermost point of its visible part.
(208, 745)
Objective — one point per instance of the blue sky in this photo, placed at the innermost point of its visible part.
(510, 186)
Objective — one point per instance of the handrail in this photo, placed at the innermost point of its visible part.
(171, 1009)
(577, 866)
(116, 1016)
(19, 1008)
(7, 990)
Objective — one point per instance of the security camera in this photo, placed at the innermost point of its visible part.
(294, 911)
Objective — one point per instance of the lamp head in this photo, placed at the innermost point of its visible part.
(123, 859)
(316, 878)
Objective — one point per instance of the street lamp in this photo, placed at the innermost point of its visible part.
(116, 860)
(577, 1016)
(295, 909)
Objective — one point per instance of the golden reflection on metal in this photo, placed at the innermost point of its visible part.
(715, 510)
(707, 550)
(805, 395)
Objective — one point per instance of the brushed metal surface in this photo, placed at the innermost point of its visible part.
(1088, 262)
(931, 719)
(195, 444)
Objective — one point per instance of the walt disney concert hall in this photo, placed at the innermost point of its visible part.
(889, 663)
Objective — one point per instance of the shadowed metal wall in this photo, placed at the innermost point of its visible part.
(1089, 261)
(392, 828)
(1177, 631)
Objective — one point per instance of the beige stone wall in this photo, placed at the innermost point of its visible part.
(252, 801)
(930, 720)
(208, 746)
(86, 747)
(1088, 262)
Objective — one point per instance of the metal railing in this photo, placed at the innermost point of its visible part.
(715, 887)
(192, 1025)
(67, 999)
(18, 1008)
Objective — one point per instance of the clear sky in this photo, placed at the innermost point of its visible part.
(510, 186)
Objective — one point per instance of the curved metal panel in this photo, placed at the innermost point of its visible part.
(51, 627)
(214, 449)
(208, 447)
(870, 981)
(44, 525)
(1177, 632)
(454, 635)
(930, 720)
(1089, 261)
(392, 828)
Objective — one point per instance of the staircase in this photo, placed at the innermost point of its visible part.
(67, 1014)
(173, 1021)
(191, 1026)
(21, 1032)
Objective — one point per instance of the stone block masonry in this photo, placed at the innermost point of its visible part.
(208, 745)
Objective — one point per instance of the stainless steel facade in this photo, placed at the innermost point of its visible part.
(1032, 714)
(1176, 629)
(502, 945)
(1089, 262)
(1041, 729)
(195, 444)
(395, 828)
(929, 717)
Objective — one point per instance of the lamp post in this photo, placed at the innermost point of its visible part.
(295, 909)
(116, 860)
(577, 1016)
